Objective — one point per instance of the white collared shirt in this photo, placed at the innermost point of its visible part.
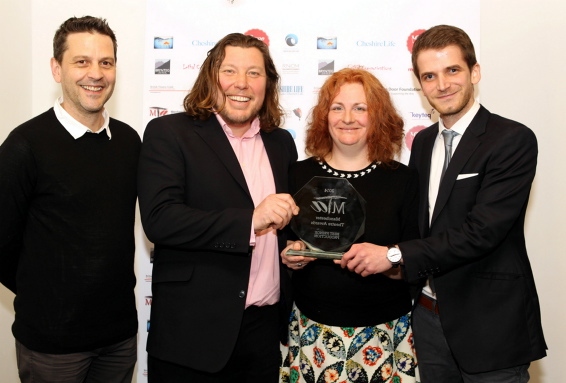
(437, 161)
(75, 128)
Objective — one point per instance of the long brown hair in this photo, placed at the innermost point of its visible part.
(201, 100)
(385, 130)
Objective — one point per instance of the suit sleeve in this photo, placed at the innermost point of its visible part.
(18, 174)
(168, 218)
(484, 217)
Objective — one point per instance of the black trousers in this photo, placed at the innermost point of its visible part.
(255, 359)
(110, 364)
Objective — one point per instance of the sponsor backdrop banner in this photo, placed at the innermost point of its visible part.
(308, 41)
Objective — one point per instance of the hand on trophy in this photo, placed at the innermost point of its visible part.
(275, 211)
(295, 262)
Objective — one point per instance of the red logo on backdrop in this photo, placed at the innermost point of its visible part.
(412, 37)
(410, 136)
(258, 34)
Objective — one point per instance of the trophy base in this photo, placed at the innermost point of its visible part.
(316, 254)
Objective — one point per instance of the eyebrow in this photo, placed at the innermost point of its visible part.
(82, 57)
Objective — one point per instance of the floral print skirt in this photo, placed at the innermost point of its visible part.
(318, 353)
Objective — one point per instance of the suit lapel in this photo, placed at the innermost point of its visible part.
(423, 160)
(212, 134)
(467, 146)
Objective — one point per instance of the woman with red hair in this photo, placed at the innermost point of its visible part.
(345, 326)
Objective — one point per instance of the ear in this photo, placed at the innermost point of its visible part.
(476, 74)
(56, 70)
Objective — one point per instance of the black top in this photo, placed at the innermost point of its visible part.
(68, 209)
(334, 296)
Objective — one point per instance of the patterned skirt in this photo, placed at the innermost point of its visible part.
(318, 353)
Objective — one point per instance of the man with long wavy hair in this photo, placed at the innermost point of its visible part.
(212, 185)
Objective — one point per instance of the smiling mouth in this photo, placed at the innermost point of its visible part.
(92, 88)
(239, 98)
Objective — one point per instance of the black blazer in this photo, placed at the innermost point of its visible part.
(475, 244)
(196, 208)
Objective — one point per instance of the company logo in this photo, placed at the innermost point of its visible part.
(198, 43)
(292, 90)
(148, 299)
(156, 111)
(420, 116)
(291, 40)
(191, 66)
(329, 205)
(291, 68)
(400, 91)
(375, 44)
(412, 37)
(410, 135)
(147, 278)
(326, 43)
(258, 34)
(162, 66)
(163, 43)
(297, 112)
(370, 68)
(325, 68)
(147, 325)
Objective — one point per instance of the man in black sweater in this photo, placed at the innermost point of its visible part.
(67, 197)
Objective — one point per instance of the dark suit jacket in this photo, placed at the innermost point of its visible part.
(475, 245)
(196, 208)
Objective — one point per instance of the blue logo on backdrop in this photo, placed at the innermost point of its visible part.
(163, 42)
(291, 40)
(326, 43)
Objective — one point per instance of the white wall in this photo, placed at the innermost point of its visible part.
(521, 52)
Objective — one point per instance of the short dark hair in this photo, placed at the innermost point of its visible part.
(385, 129)
(441, 36)
(202, 98)
(81, 24)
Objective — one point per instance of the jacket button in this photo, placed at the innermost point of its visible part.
(242, 294)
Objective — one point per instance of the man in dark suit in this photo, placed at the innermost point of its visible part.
(477, 318)
(212, 185)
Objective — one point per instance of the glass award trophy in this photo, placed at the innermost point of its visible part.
(331, 219)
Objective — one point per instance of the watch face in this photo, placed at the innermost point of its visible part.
(394, 255)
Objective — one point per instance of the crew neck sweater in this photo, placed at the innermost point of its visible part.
(328, 294)
(69, 207)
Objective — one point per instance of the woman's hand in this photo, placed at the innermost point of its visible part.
(366, 259)
(295, 262)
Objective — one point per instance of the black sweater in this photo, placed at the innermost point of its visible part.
(67, 212)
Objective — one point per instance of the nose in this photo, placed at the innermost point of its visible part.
(347, 117)
(241, 81)
(442, 83)
(95, 72)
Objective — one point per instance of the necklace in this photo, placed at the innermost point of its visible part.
(348, 174)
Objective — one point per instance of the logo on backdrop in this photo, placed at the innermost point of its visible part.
(325, 67)
(291, 90)
(156, 111)
(375, 44)
(291, 40)
(148, 300)
(290, 68)
(326, 43)
(162, 66)
(412, 37)
(410, 135)
(371, 67)
(163, 43)
(258, 34)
